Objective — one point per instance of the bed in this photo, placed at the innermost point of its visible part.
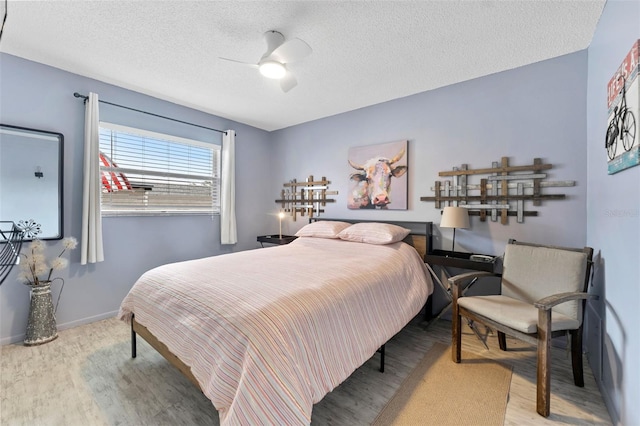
(266, 333)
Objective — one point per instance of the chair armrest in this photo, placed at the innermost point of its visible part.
(458, 279)
(549, 302)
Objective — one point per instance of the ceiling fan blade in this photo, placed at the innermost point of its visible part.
(291, 51)
(239, 62)
(288, 82)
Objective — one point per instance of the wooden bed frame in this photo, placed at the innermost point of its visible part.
(420, 238)
(139, 329)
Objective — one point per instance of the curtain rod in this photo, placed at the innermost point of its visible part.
(85, 98)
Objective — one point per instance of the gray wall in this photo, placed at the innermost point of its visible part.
(613, 226)
(533, 111)
(41, 97)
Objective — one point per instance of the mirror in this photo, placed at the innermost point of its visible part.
(31, 181)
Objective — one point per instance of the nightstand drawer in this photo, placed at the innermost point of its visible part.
(461, 260)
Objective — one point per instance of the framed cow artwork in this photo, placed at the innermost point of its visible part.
(378, 176)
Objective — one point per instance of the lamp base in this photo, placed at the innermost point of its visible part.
(453, 245)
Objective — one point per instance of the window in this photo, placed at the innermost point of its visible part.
(152, 173)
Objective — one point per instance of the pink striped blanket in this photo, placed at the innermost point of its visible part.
(268, 332)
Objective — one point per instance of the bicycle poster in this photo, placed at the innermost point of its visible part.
(623, 101)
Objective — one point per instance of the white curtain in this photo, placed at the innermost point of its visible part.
(228, 233)
(91, 243)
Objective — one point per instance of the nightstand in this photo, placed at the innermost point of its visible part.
(445, 258)
(276, 239)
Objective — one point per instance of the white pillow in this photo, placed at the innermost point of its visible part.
(323, 229)
(374, 233)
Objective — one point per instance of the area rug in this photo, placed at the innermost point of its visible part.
(441, 392)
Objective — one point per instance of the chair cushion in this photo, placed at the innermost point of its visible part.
(514, 313)
(532, 273)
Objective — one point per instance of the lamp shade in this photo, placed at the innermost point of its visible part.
(455, 217)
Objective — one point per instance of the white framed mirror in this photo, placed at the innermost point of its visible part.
(31, 181)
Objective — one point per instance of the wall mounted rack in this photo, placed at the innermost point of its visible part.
(309, 197)
(502, 193)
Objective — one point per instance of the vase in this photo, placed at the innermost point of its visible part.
(41, 326)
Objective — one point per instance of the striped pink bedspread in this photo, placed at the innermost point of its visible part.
(269, 332)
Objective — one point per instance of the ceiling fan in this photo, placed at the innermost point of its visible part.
(273, 64)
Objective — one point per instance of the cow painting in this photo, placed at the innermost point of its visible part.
(372, 179)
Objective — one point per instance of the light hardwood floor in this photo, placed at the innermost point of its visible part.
(87, 377)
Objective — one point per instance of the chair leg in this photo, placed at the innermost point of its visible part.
(544, 360)
(576, 356)
(502, 341)
(456, 334)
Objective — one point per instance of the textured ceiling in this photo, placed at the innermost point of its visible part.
(364, 52)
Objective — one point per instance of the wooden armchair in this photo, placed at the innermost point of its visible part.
(543, 293)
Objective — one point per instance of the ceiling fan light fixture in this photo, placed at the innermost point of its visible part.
(273, 63)
(272, 69)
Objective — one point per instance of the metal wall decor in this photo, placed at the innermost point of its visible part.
(11, 237)
(307, 197)
(502, 193)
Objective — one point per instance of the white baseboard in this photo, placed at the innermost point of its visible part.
(71, 324)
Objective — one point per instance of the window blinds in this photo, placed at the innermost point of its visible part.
(150, 173)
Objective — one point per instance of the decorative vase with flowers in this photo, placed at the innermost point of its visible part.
(36, 271)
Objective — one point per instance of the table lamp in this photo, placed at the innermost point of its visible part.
(454, 217)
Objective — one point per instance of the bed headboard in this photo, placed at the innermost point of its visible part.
(421, 236)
